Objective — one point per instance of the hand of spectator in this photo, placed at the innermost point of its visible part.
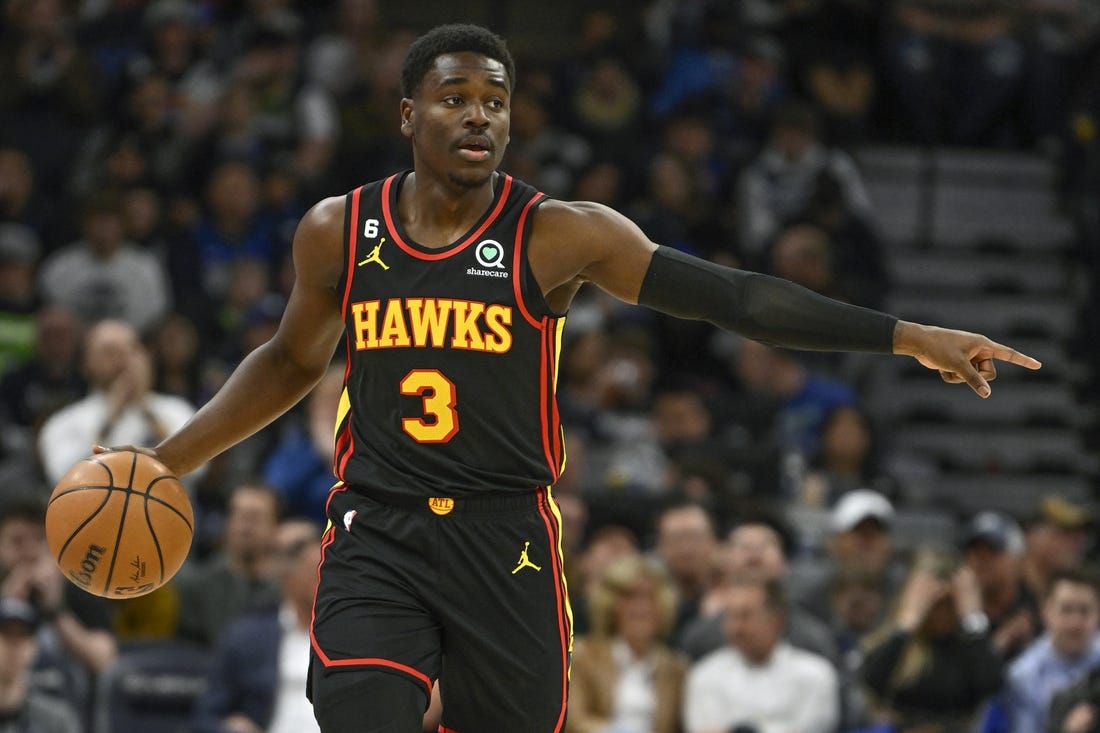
(966, 591)
(132, 383)
(1014, 633)
(1080, 718)
(47, 585)
(917, 598)
(240, 724)
(959, 356)
(18, 583)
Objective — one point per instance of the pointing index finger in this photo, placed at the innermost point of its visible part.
(1012, 356)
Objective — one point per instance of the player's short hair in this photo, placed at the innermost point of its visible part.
(453, 38)
(1074, 575)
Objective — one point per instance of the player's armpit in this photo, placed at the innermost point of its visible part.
(761, 307)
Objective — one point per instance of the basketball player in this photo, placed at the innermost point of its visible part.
(449, 284)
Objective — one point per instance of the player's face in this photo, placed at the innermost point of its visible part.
(458, 119)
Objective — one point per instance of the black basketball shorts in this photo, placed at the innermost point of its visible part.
(466, 591)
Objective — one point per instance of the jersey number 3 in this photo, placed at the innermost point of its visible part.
(440, 421)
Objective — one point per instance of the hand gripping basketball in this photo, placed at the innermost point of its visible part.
(119, 524)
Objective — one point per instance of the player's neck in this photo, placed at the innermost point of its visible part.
(436, 213)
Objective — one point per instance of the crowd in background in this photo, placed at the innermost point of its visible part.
(155, 158)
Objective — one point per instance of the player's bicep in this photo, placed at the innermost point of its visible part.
(593, 243)
(312, 323)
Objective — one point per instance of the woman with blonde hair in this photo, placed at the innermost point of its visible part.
(625, 679)
(932, 665)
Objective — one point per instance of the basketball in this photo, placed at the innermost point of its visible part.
(119, 524)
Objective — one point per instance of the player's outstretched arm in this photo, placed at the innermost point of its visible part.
(275, 376)
(577, 242)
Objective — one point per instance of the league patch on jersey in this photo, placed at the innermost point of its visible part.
(490, 255)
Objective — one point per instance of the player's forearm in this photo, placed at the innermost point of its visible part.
(267, 383)
(761, 307)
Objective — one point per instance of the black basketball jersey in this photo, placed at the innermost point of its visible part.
(452, 353)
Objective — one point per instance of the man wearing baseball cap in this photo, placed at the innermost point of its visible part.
(1055, 537)
(992, 544)
(22, 709)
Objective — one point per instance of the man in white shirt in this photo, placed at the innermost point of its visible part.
(120, 409)
(758, 682)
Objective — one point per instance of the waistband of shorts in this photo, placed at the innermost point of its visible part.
(487, 503)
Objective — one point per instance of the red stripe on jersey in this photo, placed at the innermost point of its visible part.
(544, 382)
(554, 531)
(517, 252)
(555, 419)
(387, 214)
(353, 238)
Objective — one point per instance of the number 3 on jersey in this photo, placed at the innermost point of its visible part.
(438, 396)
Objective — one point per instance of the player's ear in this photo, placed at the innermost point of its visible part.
(406, 117)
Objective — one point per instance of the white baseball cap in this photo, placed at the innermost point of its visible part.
(859, 505)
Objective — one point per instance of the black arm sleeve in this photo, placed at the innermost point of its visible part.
(761, 307)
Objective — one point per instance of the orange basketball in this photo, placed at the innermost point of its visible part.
(119, 524)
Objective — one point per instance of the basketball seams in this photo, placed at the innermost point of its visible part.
(129, 488)
(74, 489)
(85, 523)
(153, 532)
(165, 504)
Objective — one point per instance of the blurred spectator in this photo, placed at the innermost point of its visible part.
(300, 465)
(368, 140)
(120, 409)
(624, 677)
(607, 544)
(860, 541)
(614, 398)
(933, 664)
(1076, 709)
(686, 543)
(74, 641)
(673, 209)
(50, 93)
(235, 227)
(780, 183)
(803, 400)
(175, 51)
(955, 70)
(22, 200)
(19, 253)
(993, 547)
(802, 253)
(238, 578)
(756, 549)
(143, 145)
(295, 115)
(1055, 536)
(103, 275)
(547, 156)
(336, 56)
(858, 254)
(607, 108)
(258, 679)
(1068, 650)
(758, 682)
(175, 350)
(846, 460)
(685, 431)
(857, 605)
(48, 382)
(21, 707)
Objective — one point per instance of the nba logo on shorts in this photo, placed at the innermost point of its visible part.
(348, 516)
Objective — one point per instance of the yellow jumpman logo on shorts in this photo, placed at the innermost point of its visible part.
(375, 257)
(524, 561)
